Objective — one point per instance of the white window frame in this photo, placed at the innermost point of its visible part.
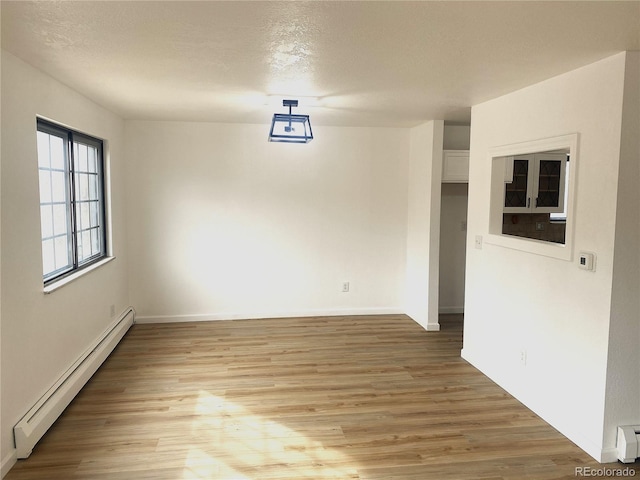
(539, 247)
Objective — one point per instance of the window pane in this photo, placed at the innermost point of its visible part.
(46, 220)
(43, 150)
(78, 219)
(516, 191)
(57, 152)
(81, 164)
(62, 252)
(82, 182)
(92, 159)
(85, 220)
(59, 186)
(549, 183)
(93, 211)
(45, 186)
(60, 219)
(95, 244)
(93, 187)
(81, 248)
(84, 245)
(48, 257)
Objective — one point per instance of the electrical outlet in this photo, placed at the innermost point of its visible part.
(345, 287)
(479, 242)
(112, 310)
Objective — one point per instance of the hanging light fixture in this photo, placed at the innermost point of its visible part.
(286, 127)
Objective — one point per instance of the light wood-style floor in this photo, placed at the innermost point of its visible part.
(372, 397)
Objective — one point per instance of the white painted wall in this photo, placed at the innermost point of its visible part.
(423, 230)
(623, 374)
(223, 224)
(453, 232)
(456, 137)
(42, 335)
(453, 242)
(560, 315)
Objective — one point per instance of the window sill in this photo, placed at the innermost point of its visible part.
(52, 287)
(560, 251)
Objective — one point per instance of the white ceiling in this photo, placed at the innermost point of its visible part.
(391, 63)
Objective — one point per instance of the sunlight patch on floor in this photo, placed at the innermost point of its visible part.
(200, 466)
(231, 442)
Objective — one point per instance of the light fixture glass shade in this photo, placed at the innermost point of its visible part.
(286, 127)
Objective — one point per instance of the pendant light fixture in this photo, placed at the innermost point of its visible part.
(290, 128)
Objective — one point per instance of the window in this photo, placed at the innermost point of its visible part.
(533, 196)
(72, 207)
(536, 195)
(535, 183)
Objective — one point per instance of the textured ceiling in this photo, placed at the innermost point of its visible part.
(349, 63)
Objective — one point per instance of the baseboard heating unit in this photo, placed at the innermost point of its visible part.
(628, 443)
(30, 429)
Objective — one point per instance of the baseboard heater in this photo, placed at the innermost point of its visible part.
(30, 429)
(628, 443)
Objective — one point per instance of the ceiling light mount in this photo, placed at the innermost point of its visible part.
(290, 128)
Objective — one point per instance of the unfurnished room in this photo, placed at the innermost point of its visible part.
(319, 239)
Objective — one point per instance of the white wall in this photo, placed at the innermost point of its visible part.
(453, 242)
(223, 224)
(453, 232)
(42, 335)
(517, 301)
(623, 373)
(456, 137)
(423, 231)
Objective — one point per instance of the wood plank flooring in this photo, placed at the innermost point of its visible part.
(367, 397)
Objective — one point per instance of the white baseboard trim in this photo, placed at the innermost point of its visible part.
(427, 324)
(445, 310)
(609, 455)
(209, 317)
(8, 462)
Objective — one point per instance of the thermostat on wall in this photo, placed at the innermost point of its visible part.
(587, 261)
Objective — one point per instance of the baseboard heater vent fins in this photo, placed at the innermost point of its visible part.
(628, 444)
(30, 429)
